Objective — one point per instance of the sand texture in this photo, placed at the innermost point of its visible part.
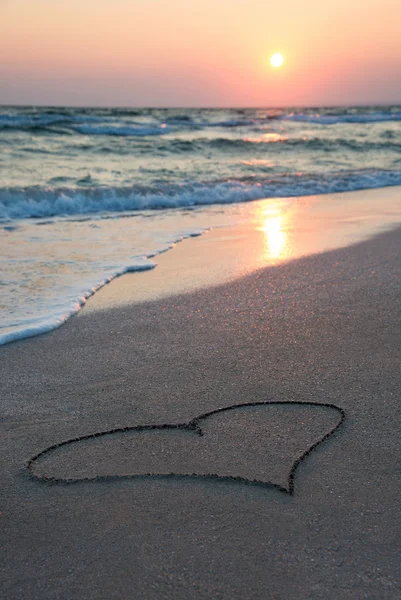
(321, 330)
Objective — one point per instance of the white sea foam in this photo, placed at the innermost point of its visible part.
(53, 301)
(44, 323)
(319, 119)
(41, 203)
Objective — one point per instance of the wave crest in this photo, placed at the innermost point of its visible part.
(324, 119)
(23, 203)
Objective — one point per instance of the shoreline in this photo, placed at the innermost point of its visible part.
(269, 233)
(243, 239)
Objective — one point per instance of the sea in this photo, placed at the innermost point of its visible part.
(87, 194)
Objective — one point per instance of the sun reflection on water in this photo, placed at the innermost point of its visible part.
(275, 236)
(273, 222)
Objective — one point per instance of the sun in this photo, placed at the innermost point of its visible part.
(276, 60)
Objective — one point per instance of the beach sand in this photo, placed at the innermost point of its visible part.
(321, 329)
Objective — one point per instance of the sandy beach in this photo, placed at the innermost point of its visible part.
(320, 330)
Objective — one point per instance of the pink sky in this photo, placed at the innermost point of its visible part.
(199, 52)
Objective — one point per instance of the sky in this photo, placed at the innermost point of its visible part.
(199, 52)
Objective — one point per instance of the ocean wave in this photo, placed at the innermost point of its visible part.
(30, 121)
(325, 119)
(124, 130)
(46, 120)
(180, 119)
(258, 143)
(75, 121)
(115, 122)
(110, 125)
(234, 123)
(127, 122)
(23, 203)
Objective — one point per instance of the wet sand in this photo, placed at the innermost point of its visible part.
(324, 329)
(265, 233)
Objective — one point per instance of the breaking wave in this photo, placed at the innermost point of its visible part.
(321, 119)
(146, 122)
(37, 202)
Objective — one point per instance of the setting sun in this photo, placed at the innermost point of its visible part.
(276, 60)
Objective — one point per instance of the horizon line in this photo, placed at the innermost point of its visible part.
(203, 107)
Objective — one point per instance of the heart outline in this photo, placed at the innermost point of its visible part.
(193, 426)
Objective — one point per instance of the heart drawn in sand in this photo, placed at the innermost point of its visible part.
(260, 443)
